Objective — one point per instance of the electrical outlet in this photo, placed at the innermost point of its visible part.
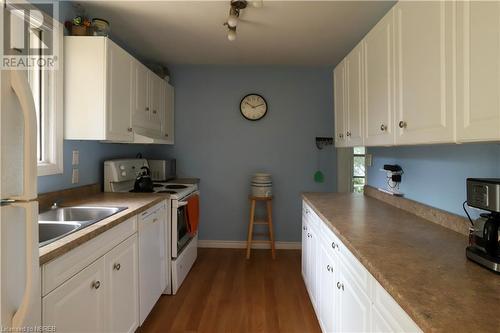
(75, 177)
(368, 160)
(76, 157)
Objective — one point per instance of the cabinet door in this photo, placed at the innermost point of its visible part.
(119, 95)
(122, 276)
(339, 103)
(354, 305)
(155, 95)
(140, 117)
(311, 265)
(168, 121)
(354, 84)
(424, 72)
(326, 297)
(379, 83)
(78, 304)
(304, 250)
(478, 74)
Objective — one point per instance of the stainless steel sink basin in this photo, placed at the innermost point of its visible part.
(62, 221)
(49, 232)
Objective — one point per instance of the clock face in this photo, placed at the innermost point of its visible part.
(253, 107)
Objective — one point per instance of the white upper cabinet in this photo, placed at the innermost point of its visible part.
(478, 72)
(168, 123)
(339, 104)
(355, 93)
(140, 93)
(110, 96)
(379, 83)
(97, 90)
(119, 115)
(424, 72)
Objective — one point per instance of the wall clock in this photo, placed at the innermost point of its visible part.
(253, 107)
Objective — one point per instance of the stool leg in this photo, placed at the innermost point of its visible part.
(271, 231)
(250, 228)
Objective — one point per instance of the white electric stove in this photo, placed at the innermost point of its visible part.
(181, 247)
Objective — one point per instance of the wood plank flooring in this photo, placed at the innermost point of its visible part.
(224, 292)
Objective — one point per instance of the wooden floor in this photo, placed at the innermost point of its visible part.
(224, 292)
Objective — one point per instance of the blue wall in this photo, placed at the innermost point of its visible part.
(92, 156)
(435, 175)
(215, 143)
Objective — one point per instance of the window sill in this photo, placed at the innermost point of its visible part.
(47, 169)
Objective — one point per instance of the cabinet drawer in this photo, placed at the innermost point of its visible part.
(389, 314)
(55, 272)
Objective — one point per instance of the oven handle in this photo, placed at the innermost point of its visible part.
(184, 203)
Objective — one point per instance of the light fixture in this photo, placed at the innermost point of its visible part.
(231, 34)
(234, 14)
(232, 20)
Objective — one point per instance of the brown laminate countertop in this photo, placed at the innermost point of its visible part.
(421, 264)
(136, 203)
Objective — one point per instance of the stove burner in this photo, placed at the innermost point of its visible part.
(157, 185)
(169, 192)
(175, 186)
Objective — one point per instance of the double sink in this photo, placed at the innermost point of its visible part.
(59, 222)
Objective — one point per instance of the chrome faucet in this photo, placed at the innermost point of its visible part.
(56, 204)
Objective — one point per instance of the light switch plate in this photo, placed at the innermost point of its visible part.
(368, 160)
(76, 157)
(75, 177)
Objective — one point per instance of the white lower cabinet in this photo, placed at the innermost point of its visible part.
(345, 296)
(122, 301)
(95, 287)
(353, 304)
(78, 305)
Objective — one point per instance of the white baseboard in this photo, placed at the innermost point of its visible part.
(224, 244)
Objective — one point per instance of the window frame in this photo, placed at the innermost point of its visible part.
(52, 161)
(353, 176)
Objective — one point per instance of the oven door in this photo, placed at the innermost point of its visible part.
(180, 235)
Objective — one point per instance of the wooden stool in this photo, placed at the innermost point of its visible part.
(269, 223)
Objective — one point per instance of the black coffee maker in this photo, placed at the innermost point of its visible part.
(484, 245)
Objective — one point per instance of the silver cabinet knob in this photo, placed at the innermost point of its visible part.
(117, 266)
(334, 245)
(341, 136)
(338, 285)
(154, 111)
(348, 133)
(402, 124)
(166, 135)
(383, 127)
(147, 108)
(96, 284)
(329, 268)
(129, 129)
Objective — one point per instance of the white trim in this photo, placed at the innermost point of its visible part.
(224, 244)
(54, 130)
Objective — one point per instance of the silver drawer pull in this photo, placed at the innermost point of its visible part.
(96, 284)
(117, 266)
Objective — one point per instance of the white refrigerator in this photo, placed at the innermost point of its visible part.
(20, 297)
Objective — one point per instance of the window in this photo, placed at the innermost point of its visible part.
(46, 86)
(358, 169)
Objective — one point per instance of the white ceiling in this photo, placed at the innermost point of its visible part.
(280, 32)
